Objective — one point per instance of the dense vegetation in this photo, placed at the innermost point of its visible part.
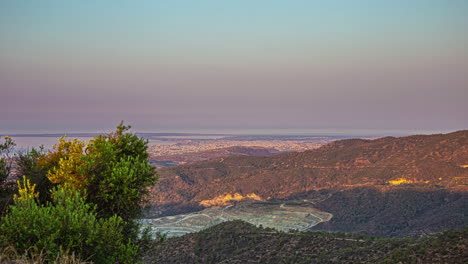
(240, 242)
(81, 198)
(394, 213)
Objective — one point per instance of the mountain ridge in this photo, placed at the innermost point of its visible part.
(419, 161)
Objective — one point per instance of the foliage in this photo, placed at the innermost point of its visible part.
(112, 169)
(89, 196)
(6, 188)
(26, 191)
(66, 222)
(70, 168)
(120, 173)
(29, 165)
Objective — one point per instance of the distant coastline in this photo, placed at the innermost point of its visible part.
(25, 142)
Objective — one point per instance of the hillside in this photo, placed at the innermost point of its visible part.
(422, 161)
(240, 242)
(405, 212)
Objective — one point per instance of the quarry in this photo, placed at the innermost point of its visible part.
(283, 216)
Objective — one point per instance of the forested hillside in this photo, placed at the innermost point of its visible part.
(406, 212)
(239, 242)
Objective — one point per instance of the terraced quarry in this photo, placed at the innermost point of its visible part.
(282, 216)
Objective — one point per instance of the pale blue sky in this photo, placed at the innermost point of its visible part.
(200, 65)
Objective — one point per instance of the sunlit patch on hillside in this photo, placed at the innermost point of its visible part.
(227, 199)
(400, 181)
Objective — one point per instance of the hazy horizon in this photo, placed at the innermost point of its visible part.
(187, 66)
(241, 131)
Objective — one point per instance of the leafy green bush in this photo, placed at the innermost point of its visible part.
(68, 222)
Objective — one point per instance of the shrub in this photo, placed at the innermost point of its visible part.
(68, 222)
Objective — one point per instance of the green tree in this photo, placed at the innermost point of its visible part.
(113, 169)
(119, 175)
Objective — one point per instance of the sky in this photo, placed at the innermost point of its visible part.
(210, 65)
